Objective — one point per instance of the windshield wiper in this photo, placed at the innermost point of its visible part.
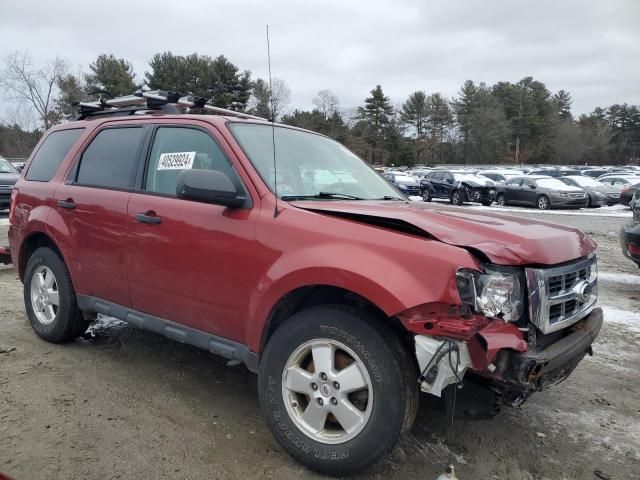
(321, 195)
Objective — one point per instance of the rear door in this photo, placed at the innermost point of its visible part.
(92, 204)
(190, 262)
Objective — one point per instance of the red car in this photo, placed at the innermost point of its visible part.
(279, 248)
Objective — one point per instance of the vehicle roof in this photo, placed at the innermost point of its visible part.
(216, 120)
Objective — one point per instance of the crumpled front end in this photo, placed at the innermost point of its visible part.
(517, 331)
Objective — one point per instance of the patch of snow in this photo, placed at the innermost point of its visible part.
(103, 323)
(596, 212)
(415, 198)
(630, 320)
(625, 278)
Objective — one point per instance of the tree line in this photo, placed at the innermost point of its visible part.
(519, 122)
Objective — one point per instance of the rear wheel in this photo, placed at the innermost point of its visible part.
(50, 299)
(337, 388)
(500, 200)
(543, 202)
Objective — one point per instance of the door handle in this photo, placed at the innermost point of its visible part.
(68, 204)
(148, 217)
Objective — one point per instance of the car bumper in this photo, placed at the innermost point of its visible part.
(568, 202)
(518, 375)
(630, 242)
(481, 195)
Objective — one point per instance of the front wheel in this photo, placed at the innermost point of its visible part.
(487, 203)
(426, 195)
(337, 388)
(543, 202)
(500, 200)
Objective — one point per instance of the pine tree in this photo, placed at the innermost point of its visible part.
(563, 101)
(376, 114)
(414, 113)
(112, 75)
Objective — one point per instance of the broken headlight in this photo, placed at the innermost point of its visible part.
(494, 294)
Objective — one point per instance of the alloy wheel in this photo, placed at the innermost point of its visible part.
(45, 298)
(327, 391)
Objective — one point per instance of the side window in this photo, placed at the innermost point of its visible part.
(447, 177)
(176, 149)
(111, 158)
(49, 156)
(437, 176)
(526, 183)
(514, 182)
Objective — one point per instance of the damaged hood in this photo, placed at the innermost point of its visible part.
(504, 239)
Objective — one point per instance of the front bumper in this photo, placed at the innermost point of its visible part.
(535, 370)
(560, 202)
(481, 194)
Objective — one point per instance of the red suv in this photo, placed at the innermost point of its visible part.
(279, 248)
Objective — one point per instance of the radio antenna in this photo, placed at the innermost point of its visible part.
(276, 212)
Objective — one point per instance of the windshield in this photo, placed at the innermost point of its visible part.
(552, 183)
(586, 181)
(6, 167)
(309, 165)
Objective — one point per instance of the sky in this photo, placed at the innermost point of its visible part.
(589, 47)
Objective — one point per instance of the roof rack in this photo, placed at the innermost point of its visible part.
(156, 100)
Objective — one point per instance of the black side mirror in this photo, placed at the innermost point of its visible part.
(532, 186)
(449, 180)
(208, 186)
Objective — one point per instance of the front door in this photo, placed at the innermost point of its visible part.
(189, 262)
(92, 206)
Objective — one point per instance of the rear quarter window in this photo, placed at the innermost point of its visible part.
(51, 153)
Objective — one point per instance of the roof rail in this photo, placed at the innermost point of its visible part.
(156, 100)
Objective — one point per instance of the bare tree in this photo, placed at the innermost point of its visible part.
(36, 87)
(327, 102)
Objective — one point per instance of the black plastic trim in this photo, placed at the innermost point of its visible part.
(214, 344)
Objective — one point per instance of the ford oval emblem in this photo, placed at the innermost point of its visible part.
(583, 290)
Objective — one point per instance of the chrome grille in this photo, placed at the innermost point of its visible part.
(577, 195)
(560, 296)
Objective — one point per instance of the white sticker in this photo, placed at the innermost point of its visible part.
(176, 161)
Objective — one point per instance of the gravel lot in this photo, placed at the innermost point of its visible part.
(131, 404)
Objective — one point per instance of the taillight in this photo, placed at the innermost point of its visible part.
(633, 249)
(624, 189)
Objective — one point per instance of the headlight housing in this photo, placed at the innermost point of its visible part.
(494, 294)
(600, 194)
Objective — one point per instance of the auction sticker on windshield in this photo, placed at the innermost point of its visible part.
(176, 161)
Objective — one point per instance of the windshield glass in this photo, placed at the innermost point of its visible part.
(587, 181)
(552, 183)
(6, 167)
(309, 164)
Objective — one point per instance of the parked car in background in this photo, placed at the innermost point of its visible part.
(595, 172)
(540, 191)
(500, 175)
(458, 187)
(8, 177)
(403, 182)
(598, 194)
(547, 172)
(619, 181)
(627, 192)
(630, 234)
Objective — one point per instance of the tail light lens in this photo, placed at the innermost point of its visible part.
(633, 249)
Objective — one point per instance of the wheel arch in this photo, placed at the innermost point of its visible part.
(30, 244)
(320, 294)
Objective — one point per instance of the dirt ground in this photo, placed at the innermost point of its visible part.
(130, 404)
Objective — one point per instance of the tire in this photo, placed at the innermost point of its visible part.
(383, 365)
(500, 200)
(457, 197)
(46, 281)
(543, 202)
(487, 203)
(426, 195)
